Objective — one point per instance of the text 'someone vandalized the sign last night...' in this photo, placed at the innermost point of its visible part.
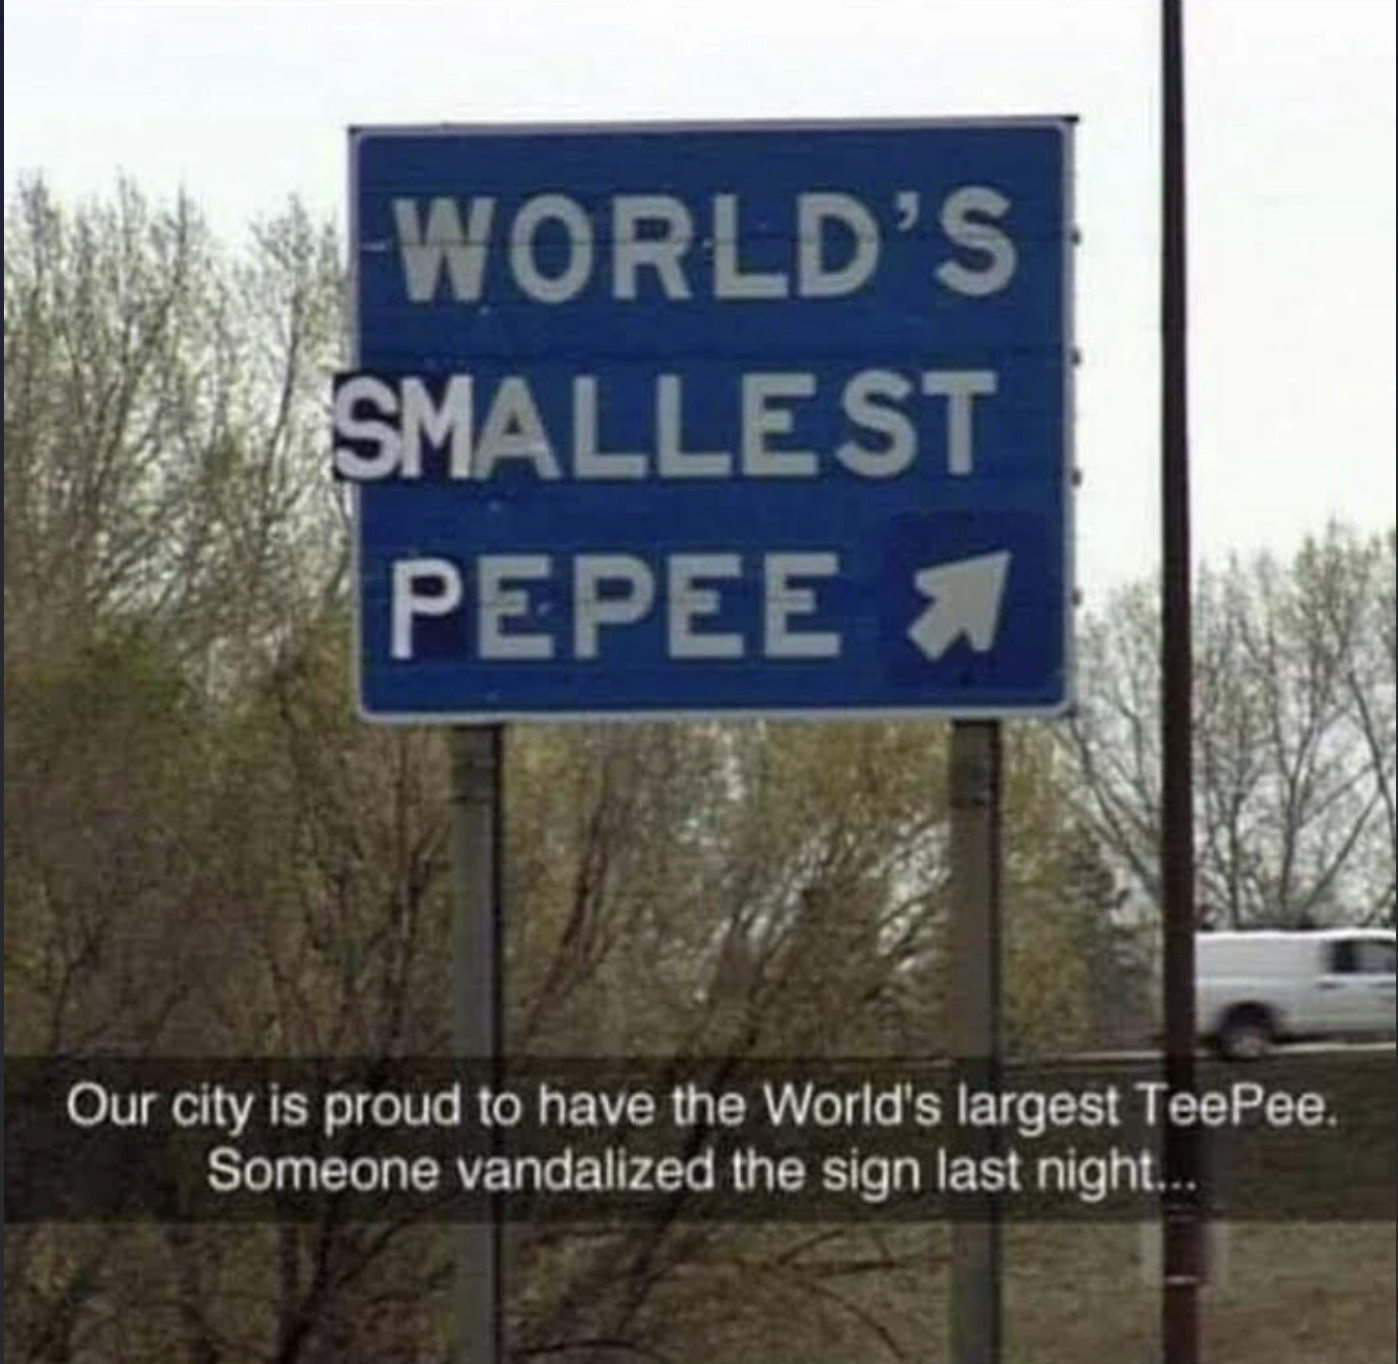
(737, 419)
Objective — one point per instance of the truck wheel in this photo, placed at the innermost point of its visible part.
(1246, 1035)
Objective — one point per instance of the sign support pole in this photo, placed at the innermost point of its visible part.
(477, 1000)
(973, 1005)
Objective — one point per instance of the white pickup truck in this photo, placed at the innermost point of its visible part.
(1254, 989)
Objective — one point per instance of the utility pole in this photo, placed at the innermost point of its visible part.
(1182, 1259)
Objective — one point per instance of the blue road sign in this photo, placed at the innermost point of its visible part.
(744, 419)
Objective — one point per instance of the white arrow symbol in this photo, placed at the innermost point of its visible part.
(965, 600)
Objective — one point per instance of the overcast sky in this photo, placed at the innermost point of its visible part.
(1291, 107)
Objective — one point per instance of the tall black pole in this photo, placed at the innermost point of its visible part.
(1181, 1211)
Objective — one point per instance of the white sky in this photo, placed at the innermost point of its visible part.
(1291, 165)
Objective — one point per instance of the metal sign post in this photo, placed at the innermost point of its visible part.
(973, 1015)
(476, 1002)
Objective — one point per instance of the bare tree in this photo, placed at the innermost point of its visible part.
(1293, 735)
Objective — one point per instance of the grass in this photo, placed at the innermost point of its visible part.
(1279, 1294)
(1089, 1294)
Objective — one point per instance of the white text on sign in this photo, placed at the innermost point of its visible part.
(553, 252)
(611, 592)
(385, 428)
